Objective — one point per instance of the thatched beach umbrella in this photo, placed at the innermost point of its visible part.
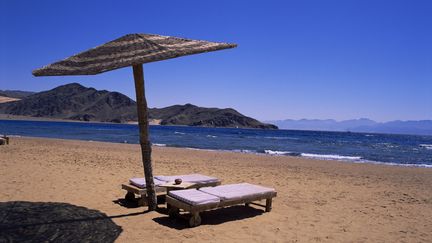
(132, 50)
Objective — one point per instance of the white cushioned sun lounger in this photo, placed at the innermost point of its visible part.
(199, 200)
(137, 186)
(237, 191)
(195, 197)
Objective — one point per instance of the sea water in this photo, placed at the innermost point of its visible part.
(393, 149)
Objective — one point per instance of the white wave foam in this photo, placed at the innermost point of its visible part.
(272, 152)
(202, 149)
(282, 138)
(352, 159)
(426, 146)
(180, 133)
(159, 144)
(389, 145)
(331, 157)
(211, 136)
(394, 164)
(358, 159)
(245, 151)
(414, 165)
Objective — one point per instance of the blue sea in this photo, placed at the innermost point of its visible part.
(404, 150)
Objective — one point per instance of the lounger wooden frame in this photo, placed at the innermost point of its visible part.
(134, 192)
(175, 205)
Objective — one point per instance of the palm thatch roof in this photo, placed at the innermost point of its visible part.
(131, 49)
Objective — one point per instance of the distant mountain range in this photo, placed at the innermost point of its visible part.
(15, 93)
(76, 102)
(423, 127)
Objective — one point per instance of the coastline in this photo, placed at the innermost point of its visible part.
(318, 157)
(31, 118)
(47, 119)
(152, 122)
(317, 200)
(303, 155)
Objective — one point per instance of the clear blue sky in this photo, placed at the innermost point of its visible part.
(295, 59)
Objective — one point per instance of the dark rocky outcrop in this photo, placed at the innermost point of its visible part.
(191, 115)
(76, 102)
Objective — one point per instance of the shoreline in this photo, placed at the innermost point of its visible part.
(8, 117)
(152, 122)
(316, 158)
(361, 161)
(156, 122)
(319, 163)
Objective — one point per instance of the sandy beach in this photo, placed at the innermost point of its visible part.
(4, 99)
(318, 201)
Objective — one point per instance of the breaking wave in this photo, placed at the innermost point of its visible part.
(314, 156)
(275, 152)
(331, 157)
(426, 146)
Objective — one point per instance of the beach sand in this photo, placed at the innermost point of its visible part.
(318, 201)
(4, 99)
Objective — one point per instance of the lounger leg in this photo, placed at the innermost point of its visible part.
(130, 196)
(195, 220)
(173, 212)
(268, 204)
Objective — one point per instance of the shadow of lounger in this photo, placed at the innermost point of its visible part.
(54, 222)
(213, 217)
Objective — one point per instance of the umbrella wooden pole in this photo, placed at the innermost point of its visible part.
(144, 135)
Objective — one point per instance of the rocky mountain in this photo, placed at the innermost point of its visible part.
(76, 102)
(191, 115)
(423, 127)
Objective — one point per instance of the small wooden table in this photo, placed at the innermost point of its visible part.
(171, 186)
(133, 191)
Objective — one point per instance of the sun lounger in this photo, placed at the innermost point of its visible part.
(207, 198)
(137, 186)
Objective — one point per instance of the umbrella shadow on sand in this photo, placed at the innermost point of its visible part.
(212, 217)
(51, 221)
